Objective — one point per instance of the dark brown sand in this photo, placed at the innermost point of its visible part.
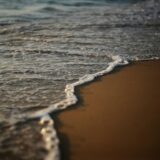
(118, 117)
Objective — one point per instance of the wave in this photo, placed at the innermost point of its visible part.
(36, 56)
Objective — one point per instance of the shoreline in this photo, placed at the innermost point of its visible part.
(65, 121)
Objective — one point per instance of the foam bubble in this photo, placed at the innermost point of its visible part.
(50, 138)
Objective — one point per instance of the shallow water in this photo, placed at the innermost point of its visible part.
(47, 44)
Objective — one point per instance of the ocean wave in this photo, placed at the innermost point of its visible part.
(48, 49)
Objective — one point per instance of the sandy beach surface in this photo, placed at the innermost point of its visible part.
(117, 118)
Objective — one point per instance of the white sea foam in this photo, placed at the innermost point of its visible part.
(50, 138)
(49, 133)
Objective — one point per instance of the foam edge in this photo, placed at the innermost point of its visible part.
(48, 132)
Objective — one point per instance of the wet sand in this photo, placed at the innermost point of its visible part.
(117, 118)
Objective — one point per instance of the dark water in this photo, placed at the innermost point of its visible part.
(47, 44)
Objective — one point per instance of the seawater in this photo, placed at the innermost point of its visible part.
(48, 47)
